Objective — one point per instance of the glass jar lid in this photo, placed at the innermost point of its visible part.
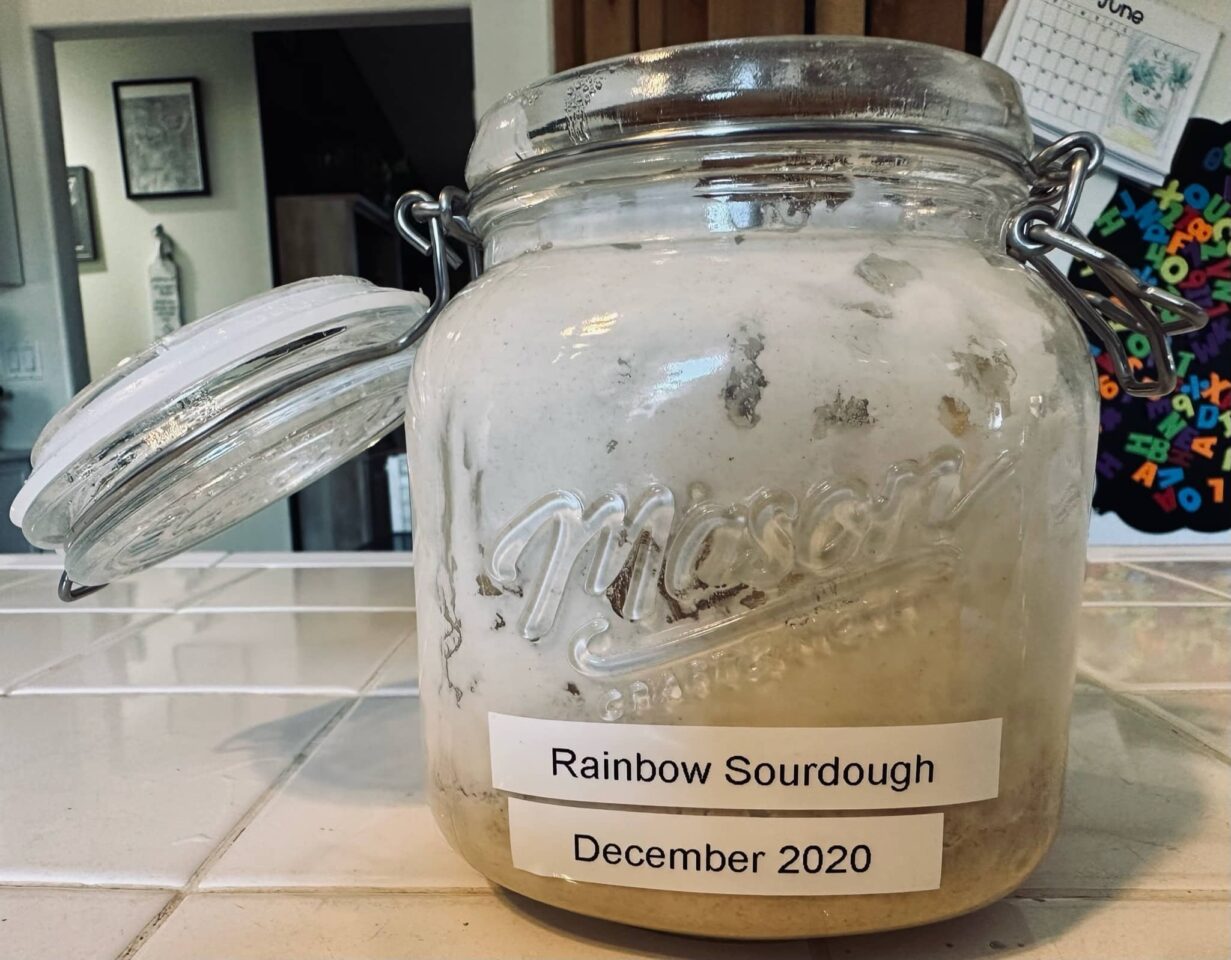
(215, 421)
(726, 86)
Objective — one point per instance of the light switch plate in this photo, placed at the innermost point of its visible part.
(22, 360)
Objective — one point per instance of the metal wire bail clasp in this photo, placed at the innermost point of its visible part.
(1045, 223)
(445, 216)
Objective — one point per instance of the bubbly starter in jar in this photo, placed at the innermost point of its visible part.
(790, 485)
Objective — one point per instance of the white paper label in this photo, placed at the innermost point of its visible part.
(760, 856)
(747, 768)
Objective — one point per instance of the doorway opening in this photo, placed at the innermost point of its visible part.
(235, 159)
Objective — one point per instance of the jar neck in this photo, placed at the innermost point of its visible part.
(644, 194)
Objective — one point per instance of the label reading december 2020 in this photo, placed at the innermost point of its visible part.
(765, 856)
(747, 768)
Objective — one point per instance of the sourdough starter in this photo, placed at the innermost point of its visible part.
(750, 377)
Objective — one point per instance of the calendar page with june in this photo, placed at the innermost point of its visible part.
(1128, 71)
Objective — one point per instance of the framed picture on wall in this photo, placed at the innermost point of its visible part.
(82, 213)
(162, 138)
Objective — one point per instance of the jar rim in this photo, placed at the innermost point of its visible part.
(760, 87)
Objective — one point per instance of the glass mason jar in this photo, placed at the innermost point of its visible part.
(751, 478)
(752, 489)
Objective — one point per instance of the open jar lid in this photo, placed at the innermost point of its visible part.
(721, 86)
(215, 421)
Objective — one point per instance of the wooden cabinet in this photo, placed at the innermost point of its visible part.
(336, 233)
(589, 30)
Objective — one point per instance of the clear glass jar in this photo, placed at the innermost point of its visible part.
(758, 432)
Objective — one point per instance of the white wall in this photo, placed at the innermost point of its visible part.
(512, 38)
(60, 14)
(221, 240)
(513, 46)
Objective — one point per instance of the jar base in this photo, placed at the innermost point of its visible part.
(980, 867)
(787, 923)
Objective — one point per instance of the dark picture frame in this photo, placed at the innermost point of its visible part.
(162, 137)
(81, 206)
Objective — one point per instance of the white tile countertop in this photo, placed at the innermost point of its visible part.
(219, 759)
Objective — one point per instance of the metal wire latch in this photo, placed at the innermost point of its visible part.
(446, 217)
(1045, 223)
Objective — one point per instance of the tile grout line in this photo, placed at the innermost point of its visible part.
(9, 885)
(1188, 732)
(31, 575)
(25, 693)
(325, 890)
(61, 608)
(1178, 579)
(1148, 553)
(207, 591)
(19, 687)
(298, 564)
(193, 882)
(58, 611)
(411, 635)
(1164, 604)
(320, 559)
(302, 608)
(1185, 728)
(108, 638)
(236, 831)
(191, 886)
(1024, 893)
(1124, 894)
(144, 619)
(408, 693)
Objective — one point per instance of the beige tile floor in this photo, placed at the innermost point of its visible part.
(218, 759)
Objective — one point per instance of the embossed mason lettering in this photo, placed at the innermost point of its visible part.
(621, 536)
(754, 544)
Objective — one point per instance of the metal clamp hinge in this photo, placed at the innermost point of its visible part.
(446, 218)
(1045, 223)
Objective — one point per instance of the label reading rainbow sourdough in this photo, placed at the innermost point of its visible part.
(738, 768)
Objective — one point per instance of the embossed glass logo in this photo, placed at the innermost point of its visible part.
(702, 576)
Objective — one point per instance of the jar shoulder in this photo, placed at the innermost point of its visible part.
(910, 303)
